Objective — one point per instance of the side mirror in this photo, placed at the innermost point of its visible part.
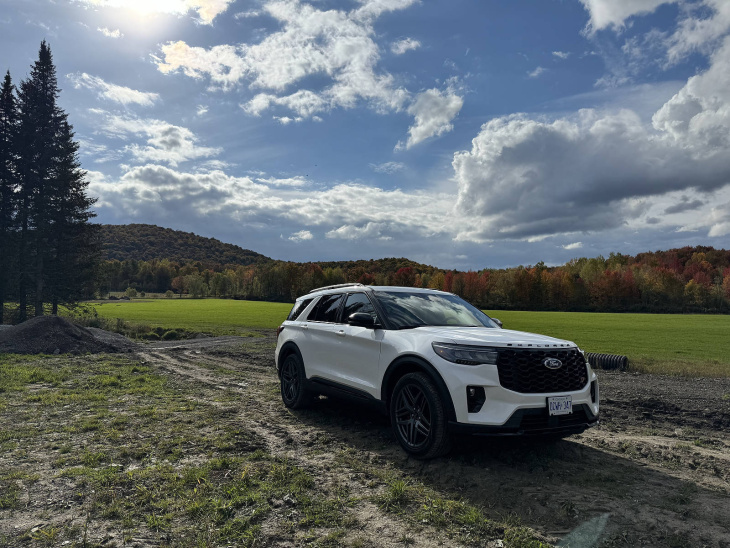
(498, 322)
(361, 319)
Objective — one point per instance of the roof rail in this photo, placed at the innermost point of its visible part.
(336, 286)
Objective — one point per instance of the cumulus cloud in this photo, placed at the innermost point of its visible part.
(116, 33)
(574, 245)
(525, 177)
(334, 44)
(433, 111)
(562, 55)
(388, 168)
(537, 72)
(207, 10)
(113, 92)
(221, 64)
(402, 46)
(165, 142)
(301, 236)
(614, 13)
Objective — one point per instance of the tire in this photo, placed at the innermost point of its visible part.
(418, 417)
(293, 383)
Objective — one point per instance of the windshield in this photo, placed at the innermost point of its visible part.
(406, 310)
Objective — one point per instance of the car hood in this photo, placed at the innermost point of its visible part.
(492, 337)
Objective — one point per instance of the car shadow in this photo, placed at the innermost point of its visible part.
(551, 486)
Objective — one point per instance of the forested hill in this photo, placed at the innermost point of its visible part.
(147, 242)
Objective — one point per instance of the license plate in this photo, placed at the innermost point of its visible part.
(560, 405)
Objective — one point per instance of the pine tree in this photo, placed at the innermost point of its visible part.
(55, 239)
(73, 239)
(8, 183)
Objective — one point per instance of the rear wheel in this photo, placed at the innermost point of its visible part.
(418, 417)
(293, 381)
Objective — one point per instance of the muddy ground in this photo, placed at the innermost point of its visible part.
(656, 472)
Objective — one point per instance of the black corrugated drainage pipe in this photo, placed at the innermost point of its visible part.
(608, 361)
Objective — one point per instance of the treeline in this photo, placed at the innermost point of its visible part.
(46, 243)
(690, 279)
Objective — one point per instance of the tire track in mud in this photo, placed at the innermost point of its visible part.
(282, 434)
(658, 489)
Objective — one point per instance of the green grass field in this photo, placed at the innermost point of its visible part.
(669, 343)
(214, 316)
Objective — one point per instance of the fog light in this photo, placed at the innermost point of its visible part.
(594, 391)
(475, 398)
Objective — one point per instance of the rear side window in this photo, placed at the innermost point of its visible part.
(326, 309)
(299, 307)
(358, 302)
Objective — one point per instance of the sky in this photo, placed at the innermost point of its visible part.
(463, 134)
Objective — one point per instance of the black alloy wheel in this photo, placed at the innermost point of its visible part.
(293, 393)
(418, 417)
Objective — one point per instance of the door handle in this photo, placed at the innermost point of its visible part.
(304, 327)
(341, 333)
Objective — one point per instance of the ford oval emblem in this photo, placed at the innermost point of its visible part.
(552, 363)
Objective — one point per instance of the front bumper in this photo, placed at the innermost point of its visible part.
(536, 421)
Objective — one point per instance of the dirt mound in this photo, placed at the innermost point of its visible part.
(53, 335)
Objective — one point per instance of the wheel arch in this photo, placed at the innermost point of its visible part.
(411, 364)
(286, 350)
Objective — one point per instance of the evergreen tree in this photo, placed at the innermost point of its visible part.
(55, 241)
(8, 183)
(73, 241)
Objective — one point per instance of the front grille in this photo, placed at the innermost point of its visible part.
(522, 370)
(539, 422)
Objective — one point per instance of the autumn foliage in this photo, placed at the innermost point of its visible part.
(690, 279)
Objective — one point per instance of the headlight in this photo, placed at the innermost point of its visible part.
(465, 355)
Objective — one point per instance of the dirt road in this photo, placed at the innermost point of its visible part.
(656, 472)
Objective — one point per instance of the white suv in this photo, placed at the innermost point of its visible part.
(438, 366)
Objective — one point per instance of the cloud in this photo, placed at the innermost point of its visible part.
(562, 55)
(368, 231)
(335, 45)
(537, 72)
(402, 46)
(167, 194)
(720, 221)
(207, 10)
(596, 170)
(221, 64)
(113, 92)
(166, 142)
(116, 33)
(433, 111)
(684, 205)
(574, 245)
(614, 13)
(301, 236)
(697, 31)
(388, 168)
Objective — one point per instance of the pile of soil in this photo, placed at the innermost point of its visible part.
(56, 335)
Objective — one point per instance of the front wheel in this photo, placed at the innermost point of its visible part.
(418, 417)
(293, 380)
